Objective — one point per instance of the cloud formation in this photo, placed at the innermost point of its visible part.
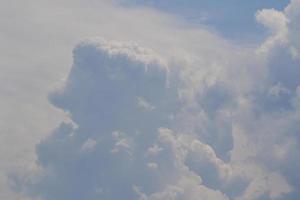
(215, 121)
(122, 149)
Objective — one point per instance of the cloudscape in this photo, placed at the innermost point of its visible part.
(150, 100)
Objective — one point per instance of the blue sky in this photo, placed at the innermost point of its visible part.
(140, 100)
(233, 19)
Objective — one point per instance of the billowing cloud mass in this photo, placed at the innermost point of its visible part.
(189, 119)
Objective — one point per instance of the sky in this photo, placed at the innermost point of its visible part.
(219, 15)
(149, 100)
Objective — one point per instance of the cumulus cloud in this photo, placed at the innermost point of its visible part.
(115, 142)
(277, 22)
(284, 28)
(177, 119)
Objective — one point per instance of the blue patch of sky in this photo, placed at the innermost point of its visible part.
(233, 19)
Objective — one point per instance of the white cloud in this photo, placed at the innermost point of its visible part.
(277, 22)
(235, 112)
(89, 145)
(154, 150)
(152, 165)
(143, 104)
(284, 27)
(100, 95)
